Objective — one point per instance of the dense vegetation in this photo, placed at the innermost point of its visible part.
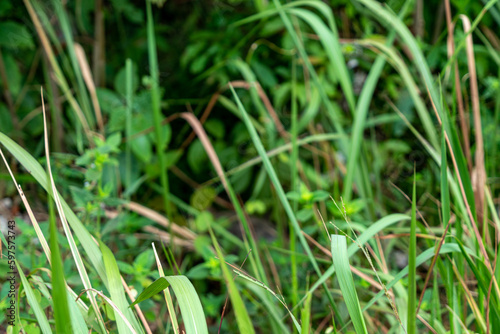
(271, 166)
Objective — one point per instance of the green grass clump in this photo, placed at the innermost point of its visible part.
(228, 133)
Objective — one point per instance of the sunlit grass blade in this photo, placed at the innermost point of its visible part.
(189, 302)
(40, 175)
(346, 282)
(69, 236)
(166, 292)
(117, 292)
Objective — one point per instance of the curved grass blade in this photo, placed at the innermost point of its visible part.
(331, 44)
(36, 170)
(35, 306)
(361, 113)
(117, 292)
(189, 302)
(346, 282)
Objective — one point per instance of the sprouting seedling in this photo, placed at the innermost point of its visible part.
(367, 255)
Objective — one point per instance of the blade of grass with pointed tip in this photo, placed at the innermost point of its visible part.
(69, 236)
(341, 263)
(116, 291)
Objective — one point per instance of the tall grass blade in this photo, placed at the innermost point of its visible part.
(294, 159)
(412, 268)
(346, 282)
(66, 30)
(40, 175)
(306, 315)
(189, 302)
(117, 292)
(362, 107)
(128, 124)
(59, 296)
(156, 100)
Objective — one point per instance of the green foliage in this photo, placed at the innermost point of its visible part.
(289, 104)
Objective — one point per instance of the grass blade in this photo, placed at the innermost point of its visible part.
(156, 99)
(362, 107)
(278, 187)
(61, 310)
(35, 306)
(117, 292)
(189, 302)
(346, 282)
(242, 317)
(412, 269)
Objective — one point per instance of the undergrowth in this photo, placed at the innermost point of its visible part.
(249, 166)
